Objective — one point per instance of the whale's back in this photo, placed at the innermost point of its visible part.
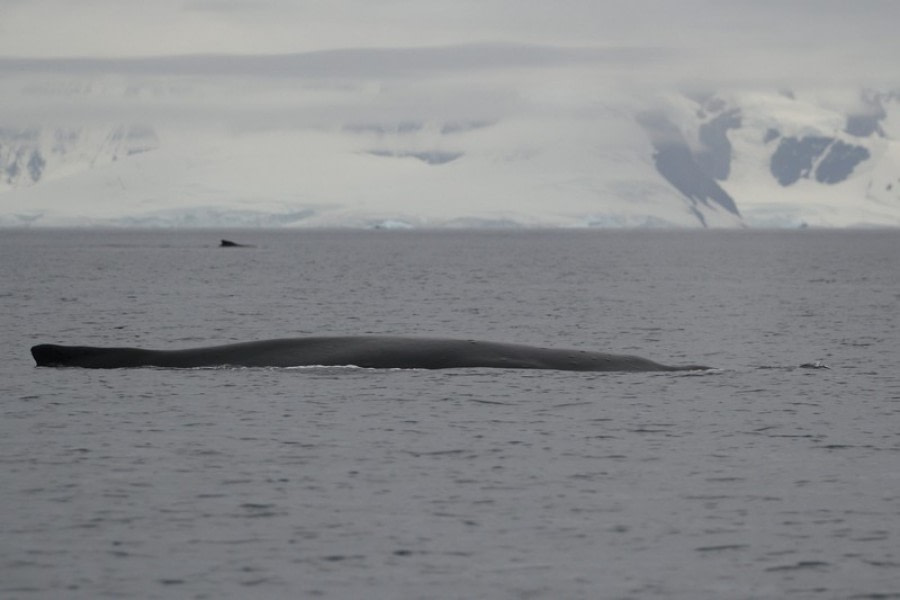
(374, 352)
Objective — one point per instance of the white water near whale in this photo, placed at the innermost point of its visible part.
(757, 480)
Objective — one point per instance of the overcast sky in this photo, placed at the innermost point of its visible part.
(333, 59)
(821, 40)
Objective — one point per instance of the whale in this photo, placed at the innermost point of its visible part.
(371, 352)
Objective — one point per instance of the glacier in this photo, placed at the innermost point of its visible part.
(730, 159)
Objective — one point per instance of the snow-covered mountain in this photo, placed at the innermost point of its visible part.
(34, 154)
(737, 159)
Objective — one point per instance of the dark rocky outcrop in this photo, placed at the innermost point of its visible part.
(840, 161)
(715, 156)
(834, 160)
(676, 163)
(793, 159)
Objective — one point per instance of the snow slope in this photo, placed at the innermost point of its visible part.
(734, 159)
(776, 186)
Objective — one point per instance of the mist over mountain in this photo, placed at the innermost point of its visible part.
(470, 134)
(715, 160)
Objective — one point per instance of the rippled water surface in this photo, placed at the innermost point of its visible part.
(756, 480)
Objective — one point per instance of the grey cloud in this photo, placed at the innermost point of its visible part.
(562, 58)
(691, 42)
(346, 63)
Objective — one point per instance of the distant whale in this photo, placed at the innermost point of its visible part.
(230, 244)
(372, 352)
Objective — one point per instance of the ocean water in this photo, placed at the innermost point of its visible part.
(755, 480)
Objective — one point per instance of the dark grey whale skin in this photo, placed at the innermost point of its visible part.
(373, 352)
